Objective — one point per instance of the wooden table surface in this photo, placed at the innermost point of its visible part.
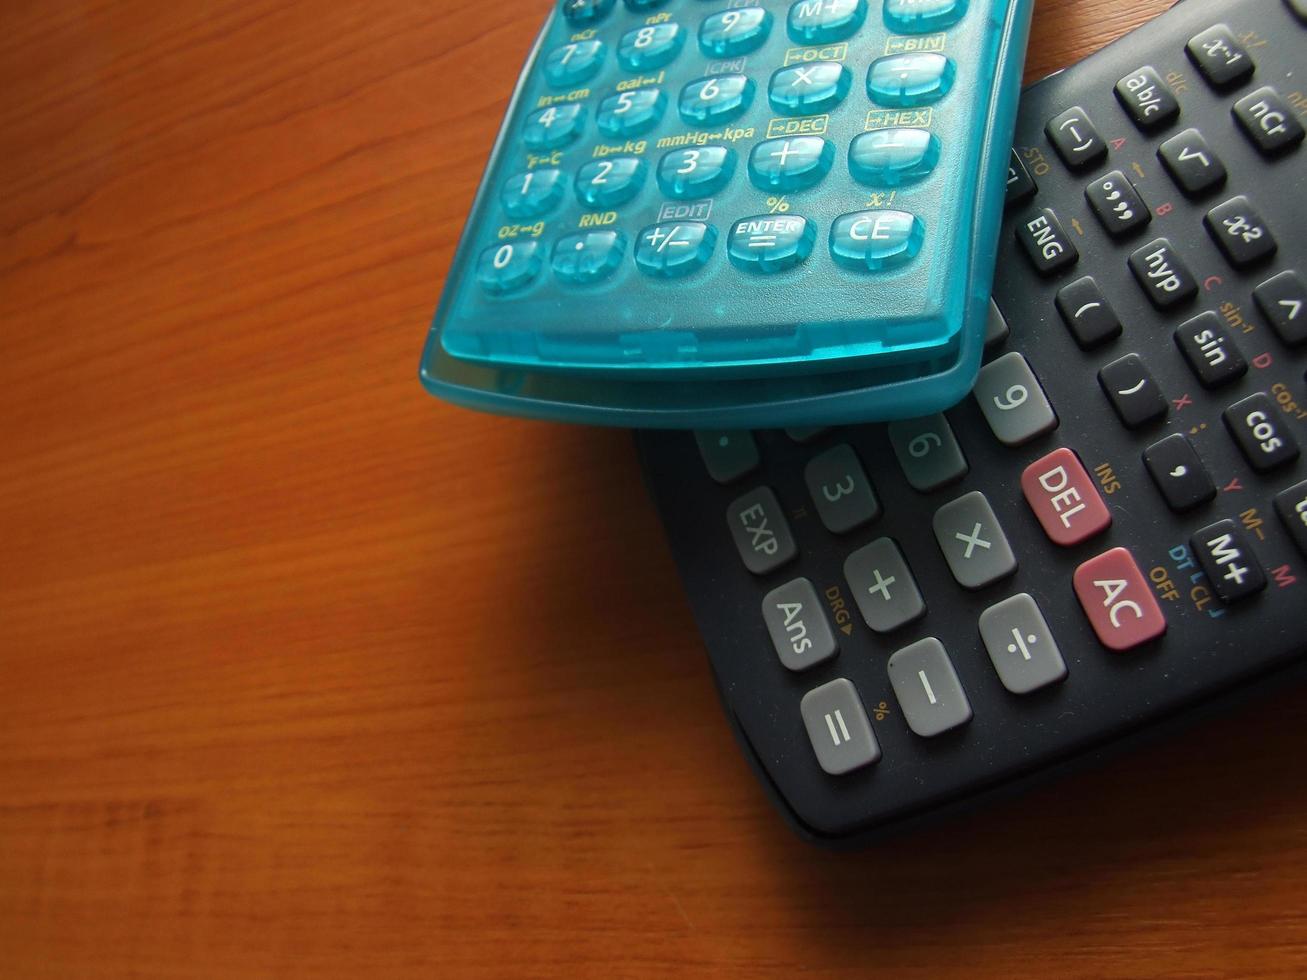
(305, 673)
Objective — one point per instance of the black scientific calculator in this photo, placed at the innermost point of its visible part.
(1111, 530)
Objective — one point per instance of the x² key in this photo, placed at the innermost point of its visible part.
(1118, 600)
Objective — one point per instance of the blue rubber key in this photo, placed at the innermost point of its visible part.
(509, 267)
(923, 16)
(585, 12)
(893, 157)
(768, 243)
(589, 257)
(716, 99)
(903, 81)
(790, 163)
(694, 173)
(871, 241)
(574, 63)
(631, 113)
(554, 127)
(610, 183)
(824, 21)
(531, 194)
(650, 47)
(805, 89)
(732, 33)
(671, 250)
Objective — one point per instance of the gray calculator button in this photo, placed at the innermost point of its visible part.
(927, 452)
(727, 455)
(838, 728)
(1013, 402)
(761, 533)
(799, 630)
(883, 587)
(1020, 644)
(996, 329)
(928, 689)
(974, 545)
(839, 487)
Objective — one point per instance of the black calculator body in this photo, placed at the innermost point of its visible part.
(1111, 531)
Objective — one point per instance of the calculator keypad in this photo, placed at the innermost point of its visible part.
(779, 137)
(1043, 525)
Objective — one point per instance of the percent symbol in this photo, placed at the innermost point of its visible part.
(777, 205)
(882, 711)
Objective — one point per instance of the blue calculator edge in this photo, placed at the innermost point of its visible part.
(886, 391)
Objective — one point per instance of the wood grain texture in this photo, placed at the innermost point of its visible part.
(303, 673)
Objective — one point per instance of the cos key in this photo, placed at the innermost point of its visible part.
(1257, 426)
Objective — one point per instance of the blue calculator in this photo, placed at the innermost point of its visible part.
(717, 213)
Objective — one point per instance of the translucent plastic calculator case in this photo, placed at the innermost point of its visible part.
(687, 198)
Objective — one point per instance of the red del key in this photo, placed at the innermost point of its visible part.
(1064, 498)
(1116, 598)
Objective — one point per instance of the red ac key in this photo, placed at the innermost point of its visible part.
(1064, 498)
(1118, 601)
